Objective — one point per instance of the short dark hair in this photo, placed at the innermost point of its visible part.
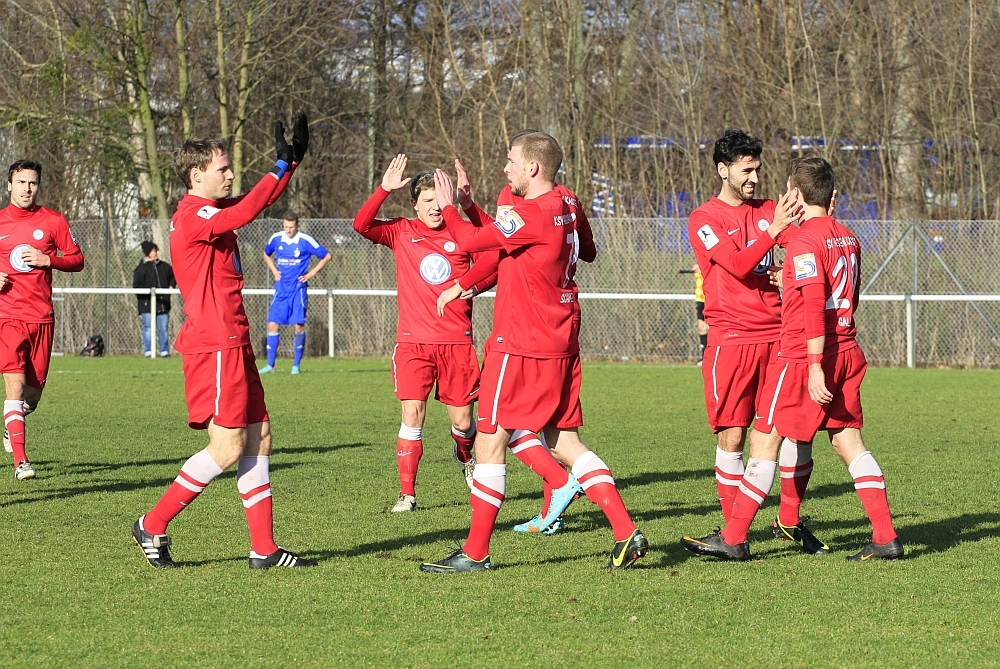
(543, 149)
(736, 144)
(197, 153)
(522, 133)
(420, 183)
(25, 164)
(813, 176)
(290, 216)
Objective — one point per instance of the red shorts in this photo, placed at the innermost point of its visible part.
(788, 407)
(529, 393)
(455, 367)
(223, 386)
(26, 348)
(734, 378)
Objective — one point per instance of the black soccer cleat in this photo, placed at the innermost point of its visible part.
(626, 552)
(800, 533)
(279, 558)
(155, 547)
(715, 546)
(890, 551)
(458, 561)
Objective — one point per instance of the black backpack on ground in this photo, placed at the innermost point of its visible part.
(93, 347)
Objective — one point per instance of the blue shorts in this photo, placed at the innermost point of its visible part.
(289, 308)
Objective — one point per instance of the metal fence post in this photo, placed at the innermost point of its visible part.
(152, 322)
(910, 327)
(329, 321)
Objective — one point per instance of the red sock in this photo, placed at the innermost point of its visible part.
(408, 452)
(595, 478)
(728, 474)
(489, 485)
(253, 480)
(527, 447)
(870, 485)
(197, 472)
(546, 497)
(463, 443)
(13, 418)
(756, 483)
(794, 481)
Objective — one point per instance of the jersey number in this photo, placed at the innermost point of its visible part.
(574, 254)
(845, 287)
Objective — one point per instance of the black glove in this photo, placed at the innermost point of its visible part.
(300, 137)
(281, 147)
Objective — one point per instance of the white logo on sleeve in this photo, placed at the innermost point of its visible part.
(37, 235)
(508, 222)
(450, 247)
(805, 266)
(208, 212)
(707, 236)
(435, 269)
(16, 261)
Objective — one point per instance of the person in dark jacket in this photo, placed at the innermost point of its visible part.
(154, 273)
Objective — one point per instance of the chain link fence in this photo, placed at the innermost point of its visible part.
(636, 256)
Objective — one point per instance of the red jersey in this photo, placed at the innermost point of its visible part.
(536, 313)
(484, 274)
(826, 253)
(28, 294)
(208, 269)
(733, 250)
(427, 263)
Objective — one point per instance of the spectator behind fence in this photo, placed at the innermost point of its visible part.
(154, 273)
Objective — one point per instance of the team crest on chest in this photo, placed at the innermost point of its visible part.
(450, 247)
(762, 224)
(435, 269)
(37, 235)
(16, 261)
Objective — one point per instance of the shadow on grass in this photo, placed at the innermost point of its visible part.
(649, 478)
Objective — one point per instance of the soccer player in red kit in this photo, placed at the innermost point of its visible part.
(534, 344)
(222, 387)
(31, 239)
(528, 447)
(814, 383)
(733, 236)
(428, 348)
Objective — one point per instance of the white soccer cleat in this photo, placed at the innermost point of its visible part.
(468, 468)
(7, 446)
(405, 503)
(24, 471)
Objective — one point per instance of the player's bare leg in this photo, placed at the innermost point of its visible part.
(273, 339)
(13, 417)
(489, 486)
(729, 466)
(463, 431)
(409, 450)
(870, 486)
(599, 486)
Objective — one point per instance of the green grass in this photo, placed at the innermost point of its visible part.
(111, 434)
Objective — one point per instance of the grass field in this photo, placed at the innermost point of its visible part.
(111, 434)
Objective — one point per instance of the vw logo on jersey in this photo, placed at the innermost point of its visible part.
(16, 261)
(237, 262)
(435, 269)
(765, 262)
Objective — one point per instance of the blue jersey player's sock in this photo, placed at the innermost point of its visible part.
(300, 347)
(272, 347)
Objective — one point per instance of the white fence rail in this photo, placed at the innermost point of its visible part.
(906, 321)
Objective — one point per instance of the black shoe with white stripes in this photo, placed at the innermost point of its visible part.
(279, 558)
(154, 546)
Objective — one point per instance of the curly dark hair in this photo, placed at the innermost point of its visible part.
(736, 144)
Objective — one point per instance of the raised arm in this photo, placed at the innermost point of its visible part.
(470, 238)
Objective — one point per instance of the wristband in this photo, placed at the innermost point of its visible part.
(279, 169)
(814, 358)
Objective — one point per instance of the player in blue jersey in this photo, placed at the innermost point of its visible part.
(291, 250)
